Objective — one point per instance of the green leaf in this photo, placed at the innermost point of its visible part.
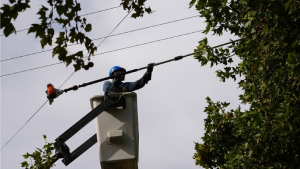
(60, 9)
(192, 3)
(24, 164)
(248, 24)
(15, 15)
(26, 155)
(49, 41)
(79, 54)
(287, 5)
(148, 10)
(80, 37)
(31, 30)
(245, 115)
(77, 67)
(43, 41)
(50, 31)
(9, 29)
(40, 150)
(88, 27)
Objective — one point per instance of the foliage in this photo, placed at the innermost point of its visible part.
(11, 12)
(74, 27)
(40, 158)
(266, 135)
(138, 6)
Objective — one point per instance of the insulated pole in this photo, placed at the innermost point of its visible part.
(135, 70)
(128, 72)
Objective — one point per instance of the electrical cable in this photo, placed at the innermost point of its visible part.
(79, 15)
(24, 125)
(31, 69)
(100, 11)
(58, 88)
(104, 37)
(141, 44)
(149, 27)
(114, 28)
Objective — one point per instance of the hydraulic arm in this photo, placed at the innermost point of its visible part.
(62, 150)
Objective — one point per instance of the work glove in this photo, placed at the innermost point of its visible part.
(150, 67)
(148, 74)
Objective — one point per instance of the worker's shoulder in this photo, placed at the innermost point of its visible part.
(108, 82)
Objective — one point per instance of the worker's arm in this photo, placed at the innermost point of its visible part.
(131, 86)
(106, 85)
(125, 87)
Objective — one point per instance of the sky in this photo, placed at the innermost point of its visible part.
(170, 106)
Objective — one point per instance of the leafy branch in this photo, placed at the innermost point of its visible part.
(74, 27)
(40, 158)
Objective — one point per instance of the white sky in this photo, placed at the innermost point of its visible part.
(170, 107)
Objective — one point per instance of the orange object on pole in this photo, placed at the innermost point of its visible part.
(51, 89)
(52, 93)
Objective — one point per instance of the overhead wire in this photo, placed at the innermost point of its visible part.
(17, 57)
(31, 69)
(101, 10)
(24, 125)
(151, 26)
(58, 88)
(141, 44)
(79, 15)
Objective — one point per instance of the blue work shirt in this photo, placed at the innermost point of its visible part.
(125, 87)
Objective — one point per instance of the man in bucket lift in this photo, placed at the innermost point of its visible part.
(127, 86)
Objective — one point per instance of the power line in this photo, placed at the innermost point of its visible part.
(108, 36)
(141, 44)
(59, 88)
(151, 26)
(105, 52)
(100, 11)
(114, 28)
(79, 15)
(30, 69)
(24, 125)
(149, 42)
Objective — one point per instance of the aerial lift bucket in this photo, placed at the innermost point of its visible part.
(117, 133)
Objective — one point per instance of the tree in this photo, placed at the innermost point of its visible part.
(40, 158)
(266, 135)
(65, 13)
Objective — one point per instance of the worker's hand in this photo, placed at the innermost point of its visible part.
(150, 67)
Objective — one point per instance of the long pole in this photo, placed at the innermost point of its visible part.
(135, 70)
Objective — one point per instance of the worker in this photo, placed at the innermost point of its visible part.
(117, 83)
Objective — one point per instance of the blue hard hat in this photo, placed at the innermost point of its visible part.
(115, 68)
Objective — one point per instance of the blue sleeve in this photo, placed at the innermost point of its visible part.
(125, 87)
(106, 85)
(132, 86)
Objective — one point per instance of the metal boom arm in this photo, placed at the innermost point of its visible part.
(63, 151)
